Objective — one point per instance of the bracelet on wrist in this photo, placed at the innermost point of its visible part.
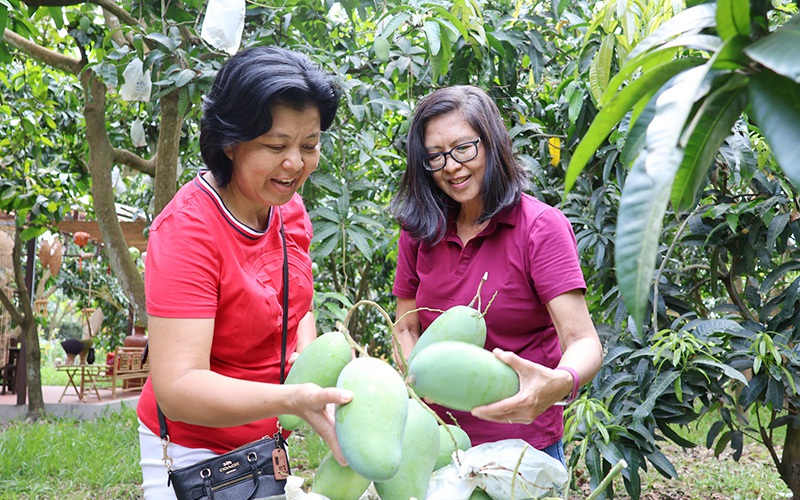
(576, 383)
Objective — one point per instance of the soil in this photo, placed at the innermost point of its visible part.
(695, 481)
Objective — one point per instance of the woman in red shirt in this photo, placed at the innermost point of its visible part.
(463, 213)
(214, 270)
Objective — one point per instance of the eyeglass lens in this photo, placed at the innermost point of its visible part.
(461, 153)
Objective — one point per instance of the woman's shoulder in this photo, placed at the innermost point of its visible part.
(533, 208)
(186, 207)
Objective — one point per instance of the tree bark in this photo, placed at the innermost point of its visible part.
(789, 468)
(169, 136)
(23, 315)
(101, 161)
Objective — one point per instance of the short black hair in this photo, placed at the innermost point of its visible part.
(420, 207)
(238, 108)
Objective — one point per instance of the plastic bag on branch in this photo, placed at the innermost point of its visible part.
(223, 24)
(492, 466)
(137, 85)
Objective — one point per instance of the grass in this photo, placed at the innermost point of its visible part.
(77, 460)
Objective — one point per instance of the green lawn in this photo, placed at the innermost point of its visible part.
(78, 460)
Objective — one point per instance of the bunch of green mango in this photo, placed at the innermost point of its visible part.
(449, 365)
(389, 439)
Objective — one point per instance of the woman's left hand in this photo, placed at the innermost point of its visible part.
(539, 388)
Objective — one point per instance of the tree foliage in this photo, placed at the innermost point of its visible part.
(678, 185)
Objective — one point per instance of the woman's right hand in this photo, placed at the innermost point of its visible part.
(317, 407)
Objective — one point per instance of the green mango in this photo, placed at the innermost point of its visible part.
(338, 482)
(370, 427)
(446, 446)
(461, 376)
(461, 323)
(319, 363)
(420, 450)
(381, 48)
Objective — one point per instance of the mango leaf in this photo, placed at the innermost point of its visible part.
(662, 464)
(656, 389)
(645, 65)
(641, 212)
(432, 34)
(692, 20)
(163, 40)
(775, 109)
(776, 274)
(776, 227)
(780, 50)
(601, 67)
(729, 371)
(733, 18)
(610, 115)
(712, 124)
(387, 28)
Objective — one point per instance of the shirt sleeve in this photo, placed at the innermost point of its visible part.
(406, 279)
(181, 270)
(553, 255)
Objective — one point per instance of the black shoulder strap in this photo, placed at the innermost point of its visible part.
(162, 420)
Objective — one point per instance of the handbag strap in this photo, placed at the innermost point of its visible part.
(162, 420)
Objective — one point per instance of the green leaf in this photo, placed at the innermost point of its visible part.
(433, 35)
(610, 115)
(389, 27)
(729, 371)
(3, 18)
(360, 242)
(600, 68)
(656, 389)
(641, 212)
(780, 50)
(733, 18)
(162, 40)
(776, 274)
(662, 464)
(776, 227)
(184, 77)
(692, 20)
(712, 124)
(775, 108)
(730, 55)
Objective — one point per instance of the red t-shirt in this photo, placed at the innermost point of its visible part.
(203, 263)
(530, 254)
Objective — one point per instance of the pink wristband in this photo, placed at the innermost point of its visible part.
(576, 382)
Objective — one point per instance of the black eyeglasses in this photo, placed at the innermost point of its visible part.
(462, 153)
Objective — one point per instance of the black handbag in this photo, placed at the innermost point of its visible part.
(255, 470)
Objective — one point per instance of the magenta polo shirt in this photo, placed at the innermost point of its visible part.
(530, 253)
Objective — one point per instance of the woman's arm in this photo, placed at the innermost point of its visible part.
(406, 329)
(188, 391)
(542, 387)
(306, 333)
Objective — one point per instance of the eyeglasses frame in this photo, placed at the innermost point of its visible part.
(445, 154)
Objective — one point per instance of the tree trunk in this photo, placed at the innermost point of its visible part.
(789, 468)
(169, 136)
(101, 161)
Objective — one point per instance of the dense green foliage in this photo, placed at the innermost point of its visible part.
(683, 207)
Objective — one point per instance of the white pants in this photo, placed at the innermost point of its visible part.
(154, 472)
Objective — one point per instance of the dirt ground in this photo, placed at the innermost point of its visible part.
(701, 473)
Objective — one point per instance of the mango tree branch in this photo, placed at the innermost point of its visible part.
(47, 56)
(169, 137)
(120, 13)
(135, 161)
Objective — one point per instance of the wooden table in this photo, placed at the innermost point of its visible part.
(88, 375)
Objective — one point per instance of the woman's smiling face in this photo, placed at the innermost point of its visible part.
(462, 182)
(269, 169)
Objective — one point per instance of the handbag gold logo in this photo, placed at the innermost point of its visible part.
(228, 467)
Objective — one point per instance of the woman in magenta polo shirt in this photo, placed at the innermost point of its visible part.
(214, 270)
(463, 212)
